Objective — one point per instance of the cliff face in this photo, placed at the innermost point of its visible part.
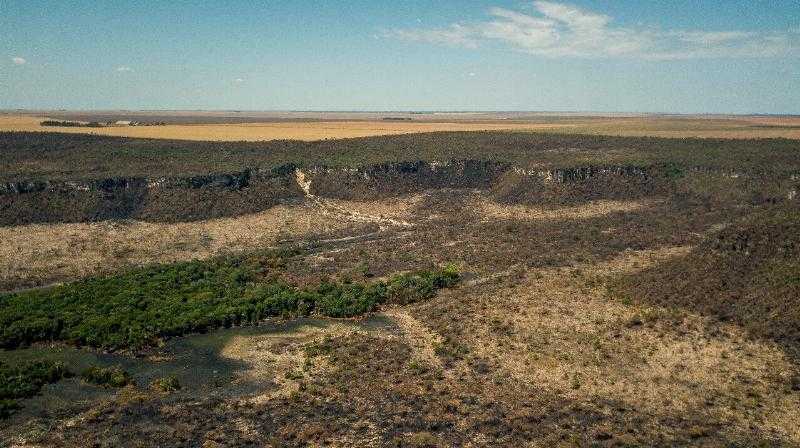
(390, 179)
(155, 199)
(251, 190)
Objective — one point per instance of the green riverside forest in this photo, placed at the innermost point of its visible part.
(134, 309)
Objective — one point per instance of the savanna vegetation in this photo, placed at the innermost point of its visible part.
(748, 273)
(616, 292)
(49, 177)
(58, 157)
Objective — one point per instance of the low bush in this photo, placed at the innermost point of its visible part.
(106, 376)
(26, 381)
(166, 384)
(136, 308)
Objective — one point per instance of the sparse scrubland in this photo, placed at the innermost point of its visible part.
(444, 289)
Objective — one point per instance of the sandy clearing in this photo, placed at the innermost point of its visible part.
(421, 339)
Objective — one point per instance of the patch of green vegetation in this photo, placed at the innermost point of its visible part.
(166, 384)
(106, 376)
(135, 309)
(25, 381)
(673, 171)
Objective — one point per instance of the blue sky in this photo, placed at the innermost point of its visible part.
(715, 56)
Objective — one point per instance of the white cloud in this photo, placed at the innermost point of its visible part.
(454, 35)
(238, 80)
(18, 60)
(124, 68)
(562, 30)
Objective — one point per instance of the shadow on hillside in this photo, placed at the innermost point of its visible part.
(748, 274)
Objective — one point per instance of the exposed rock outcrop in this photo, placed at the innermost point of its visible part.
(255, 189)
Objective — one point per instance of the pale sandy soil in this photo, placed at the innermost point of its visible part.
(49, 252)
(658, 126)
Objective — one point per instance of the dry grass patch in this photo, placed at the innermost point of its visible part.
(38, 254)
(42, 253)
(421, 339)
(558, 330)
(280, 357)
(489, 209)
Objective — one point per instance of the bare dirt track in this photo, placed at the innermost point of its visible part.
(320, 126)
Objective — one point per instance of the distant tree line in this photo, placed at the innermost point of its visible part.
(71, 124)
(96, 124)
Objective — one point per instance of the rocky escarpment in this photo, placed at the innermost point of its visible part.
(153, 199)
(506, 181)
(251, 190)
(391, 179)
(576, 184)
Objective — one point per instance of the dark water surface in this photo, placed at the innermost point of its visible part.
(194, 360)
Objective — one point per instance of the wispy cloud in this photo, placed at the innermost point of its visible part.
(124, 68)
(562, 30)
(18, 60)
(238, 80)
(455, 35)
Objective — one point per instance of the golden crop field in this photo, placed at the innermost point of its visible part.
(656, 126)
(310, 130)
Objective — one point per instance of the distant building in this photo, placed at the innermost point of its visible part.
(123, 123)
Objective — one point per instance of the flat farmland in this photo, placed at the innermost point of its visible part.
(308, 126)
(278, 130)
